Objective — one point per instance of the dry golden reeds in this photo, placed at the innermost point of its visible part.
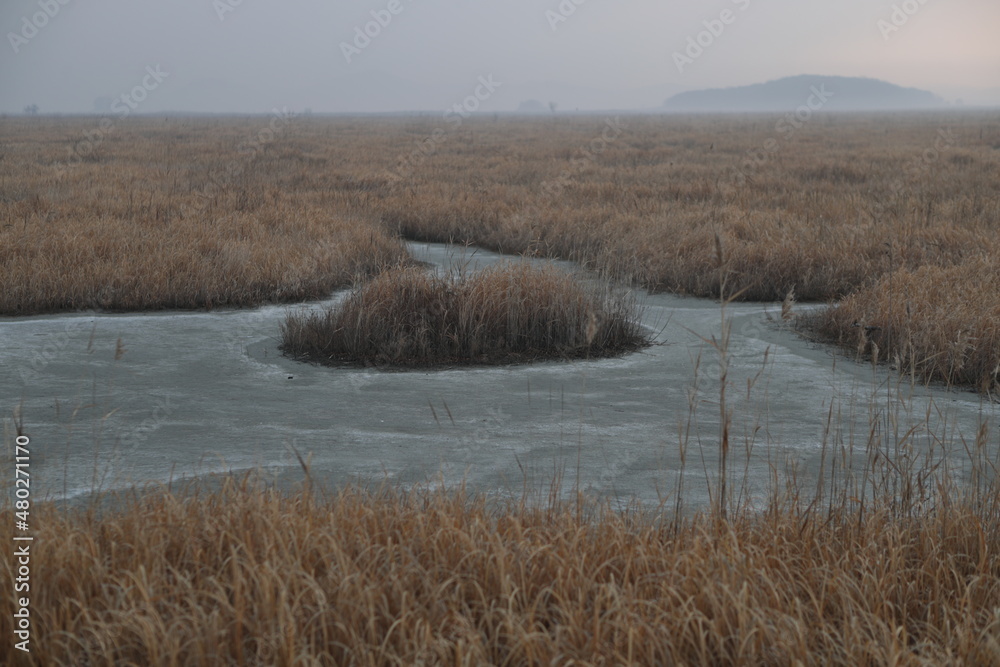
(171, 213)
(251, 576)
(167, 215)
(938, 323)
(506, 313)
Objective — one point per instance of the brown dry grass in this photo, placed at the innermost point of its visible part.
(938, 323)
(505, 313)
(250, 576)
(166, 216)
(815, 215)
(194, 213)
(247, 575)
(830, 212)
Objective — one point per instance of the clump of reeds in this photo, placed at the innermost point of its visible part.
(247, 575)
(511, 312)
(938, 323)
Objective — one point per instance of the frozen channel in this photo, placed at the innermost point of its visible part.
(196, 393)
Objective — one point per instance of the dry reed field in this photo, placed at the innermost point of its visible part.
(194, 213)
(506, 313)
(246, 575)
(934, 322)
(160, 216)
(889, 556)
(827, 210)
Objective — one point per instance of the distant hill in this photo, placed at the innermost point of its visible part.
(829, 93)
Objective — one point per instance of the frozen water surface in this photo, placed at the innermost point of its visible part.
(203, 392)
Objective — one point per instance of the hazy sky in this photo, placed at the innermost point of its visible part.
(252, 55)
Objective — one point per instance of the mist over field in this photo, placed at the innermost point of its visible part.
(226, 56)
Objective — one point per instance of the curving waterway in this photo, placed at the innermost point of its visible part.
(112, 400)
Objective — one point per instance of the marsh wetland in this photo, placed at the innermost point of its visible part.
(801, 404)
